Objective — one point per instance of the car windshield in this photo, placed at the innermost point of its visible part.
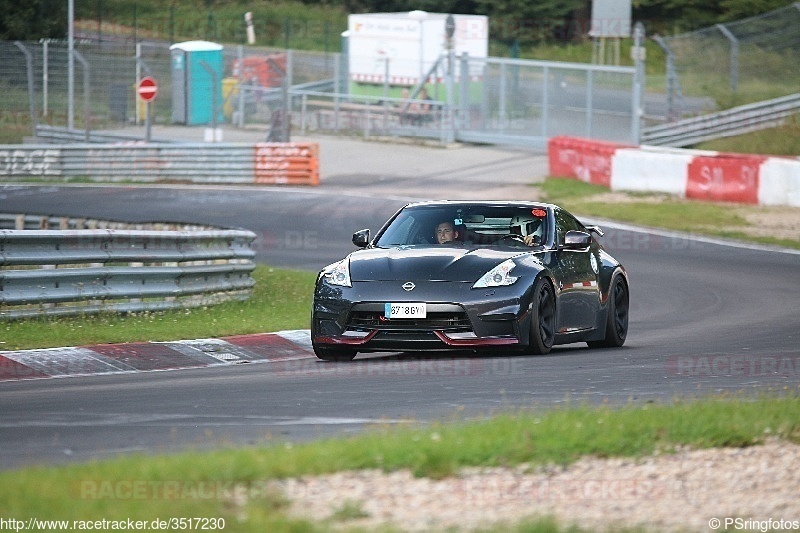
(474, 225)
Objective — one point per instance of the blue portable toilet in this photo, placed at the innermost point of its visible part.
(196, 82)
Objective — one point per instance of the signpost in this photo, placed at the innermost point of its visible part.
(147, 90)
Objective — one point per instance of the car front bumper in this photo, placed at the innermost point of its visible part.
(458, 316)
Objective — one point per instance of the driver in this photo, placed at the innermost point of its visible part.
(446, 233)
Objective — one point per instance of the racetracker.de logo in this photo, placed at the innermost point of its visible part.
(734, 365)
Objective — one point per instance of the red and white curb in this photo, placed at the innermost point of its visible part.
(696, 174)
(152, 356)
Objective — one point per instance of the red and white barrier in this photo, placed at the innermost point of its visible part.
(698, 174)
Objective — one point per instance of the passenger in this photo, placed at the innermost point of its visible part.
(532, 240)
(529, 230)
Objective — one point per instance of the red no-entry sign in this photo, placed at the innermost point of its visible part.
(147, 89)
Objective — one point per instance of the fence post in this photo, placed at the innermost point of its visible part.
(31, 90)
(734, 56)
(673, 83)
(589, 99)
(545, 100)
(86, 88)
(148, 120)
(450, 114)
(638, 84)
(501, 105)
(45, 77)
(463, 95)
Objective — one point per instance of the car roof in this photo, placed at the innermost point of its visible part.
(494, 203)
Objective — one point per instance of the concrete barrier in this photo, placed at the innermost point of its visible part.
(780, 182)
(234, 163)
(287, 163)
(583, 159)
(702, 175)
(637, 170)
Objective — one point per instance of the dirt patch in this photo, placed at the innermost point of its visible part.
(778, 222)
(685, 491)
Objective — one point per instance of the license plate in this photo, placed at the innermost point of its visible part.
(405, 310)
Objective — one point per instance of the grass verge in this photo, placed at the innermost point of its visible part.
(662, 211)
(236, 485)
(281, 300)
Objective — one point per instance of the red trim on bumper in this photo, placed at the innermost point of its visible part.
(350, 341)
(488, 341)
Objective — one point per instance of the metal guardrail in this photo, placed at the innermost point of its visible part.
(58, 135)
(29, 222)
(227, 163)
(60, 272)
(734, 121)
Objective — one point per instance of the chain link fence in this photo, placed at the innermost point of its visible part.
(105, 78)
(504, 101)
(735, 63)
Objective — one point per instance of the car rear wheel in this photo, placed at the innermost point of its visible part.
(334, 354)
(617, 321)
(543, 318)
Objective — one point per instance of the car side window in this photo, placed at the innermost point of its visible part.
(400, 232)
(564, 223)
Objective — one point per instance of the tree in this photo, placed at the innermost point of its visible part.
(525, 21)
(32, 19)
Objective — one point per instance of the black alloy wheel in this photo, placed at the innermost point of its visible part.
(543, 318)
(617, 321)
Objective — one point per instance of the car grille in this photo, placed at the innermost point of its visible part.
(450, 321)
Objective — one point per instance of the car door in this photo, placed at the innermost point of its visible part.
(576, 279)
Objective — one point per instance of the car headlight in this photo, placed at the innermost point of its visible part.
(338, 273)
(498, 276)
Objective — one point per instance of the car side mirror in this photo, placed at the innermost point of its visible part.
(361, 238)
(577, 241)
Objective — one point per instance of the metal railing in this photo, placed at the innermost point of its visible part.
(85, 271)
(736, 121)
(262, 163)
(493, 100)
(26, 221)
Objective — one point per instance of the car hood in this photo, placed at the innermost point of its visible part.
(425, 263)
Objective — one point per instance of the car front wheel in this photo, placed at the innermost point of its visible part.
(543, 318)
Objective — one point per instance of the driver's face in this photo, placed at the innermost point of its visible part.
(444, 233)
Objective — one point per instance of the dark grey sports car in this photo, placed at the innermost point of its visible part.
(471, 276)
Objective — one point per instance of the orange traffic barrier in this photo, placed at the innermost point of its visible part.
(287, 163)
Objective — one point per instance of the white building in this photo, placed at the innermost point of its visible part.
(407, 45)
